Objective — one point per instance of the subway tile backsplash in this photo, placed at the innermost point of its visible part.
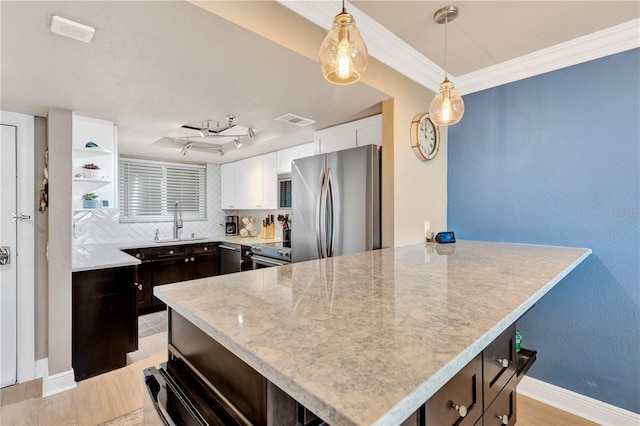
(102, 226)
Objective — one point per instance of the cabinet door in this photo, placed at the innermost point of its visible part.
(335, 140)
(167, 271)
(230, 257)
(203, 265)
(499, 364)
(503, 409)
(252, 188)
(227, 186)
(305, 150)
(459, 401)
(104, 321)
(143, 286)
(269, 181)
(285, 156)
(369, 131)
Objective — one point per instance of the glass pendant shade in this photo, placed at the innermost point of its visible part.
(343, 54)
(447, 107)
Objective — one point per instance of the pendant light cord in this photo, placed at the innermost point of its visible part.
(343, 8)
(446, 20)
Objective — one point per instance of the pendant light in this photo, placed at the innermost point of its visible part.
(343, 54)
(447, 106)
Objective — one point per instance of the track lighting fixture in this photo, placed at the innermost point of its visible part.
(204, 131)
(237, 142)
(186, 148)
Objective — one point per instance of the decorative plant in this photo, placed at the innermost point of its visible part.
(90, 196)
(91, 166)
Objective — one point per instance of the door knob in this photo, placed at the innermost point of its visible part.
(461, 409)
(5, 255)
(504, 419)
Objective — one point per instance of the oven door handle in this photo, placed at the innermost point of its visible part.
(268, 261)
(227, 247)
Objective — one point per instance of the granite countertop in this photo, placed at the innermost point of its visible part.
(88, 257)
(368, 338)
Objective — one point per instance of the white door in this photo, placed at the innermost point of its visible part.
(8, 272)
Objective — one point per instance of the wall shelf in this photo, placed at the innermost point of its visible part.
(90, 152)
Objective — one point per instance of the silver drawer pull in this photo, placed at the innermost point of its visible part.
(170, 251)
(461, 409)
(138, 255)
(206, 248)
(186, 259)
(504, 362)
(504, 419)
(228, 248)
(193, 259)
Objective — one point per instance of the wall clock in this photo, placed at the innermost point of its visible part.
(425, 137)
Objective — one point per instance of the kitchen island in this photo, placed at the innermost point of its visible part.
(369, 338)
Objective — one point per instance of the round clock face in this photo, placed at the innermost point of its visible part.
(425, 137)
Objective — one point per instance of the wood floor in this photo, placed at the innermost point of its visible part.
(118, 392)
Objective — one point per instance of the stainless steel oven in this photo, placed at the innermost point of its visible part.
(271, 254)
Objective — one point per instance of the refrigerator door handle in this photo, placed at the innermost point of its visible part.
(319, 216)
(324, 216)
(331, 231)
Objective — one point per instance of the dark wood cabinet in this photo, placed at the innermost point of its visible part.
(486, 387)
(104, 320)
(171, 264)
(204, 261)
(459, 402)
(230, 258)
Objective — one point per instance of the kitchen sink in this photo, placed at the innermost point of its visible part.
(176, 240)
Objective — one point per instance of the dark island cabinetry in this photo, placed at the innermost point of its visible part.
(104, 320)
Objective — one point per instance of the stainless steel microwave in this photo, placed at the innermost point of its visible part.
(284, 192)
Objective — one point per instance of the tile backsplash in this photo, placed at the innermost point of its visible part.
(102, 226)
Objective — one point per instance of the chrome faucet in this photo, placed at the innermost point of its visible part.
(177, 220)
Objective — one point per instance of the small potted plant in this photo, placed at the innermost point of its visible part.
(90, 201)
(90, 170)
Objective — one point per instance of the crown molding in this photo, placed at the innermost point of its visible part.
(597, 45)
(382, 44)
(388, 48)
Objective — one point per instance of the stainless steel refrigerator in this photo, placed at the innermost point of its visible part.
(336, 203)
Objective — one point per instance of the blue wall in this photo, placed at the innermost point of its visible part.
(555, 159)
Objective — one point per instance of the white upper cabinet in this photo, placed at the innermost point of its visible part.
(367, 131)
(286, 156)
(100, 176)
(250, 184)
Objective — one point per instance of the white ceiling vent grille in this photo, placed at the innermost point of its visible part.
(68, 28)
(295, 120)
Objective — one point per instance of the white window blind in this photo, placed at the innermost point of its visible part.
(150, 189)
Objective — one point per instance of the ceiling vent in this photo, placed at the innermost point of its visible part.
(68, 28)
(295, 120)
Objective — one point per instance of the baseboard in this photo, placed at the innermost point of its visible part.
(579, 405)
(41, 368)
(58, 383)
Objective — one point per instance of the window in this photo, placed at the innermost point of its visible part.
(150, 189)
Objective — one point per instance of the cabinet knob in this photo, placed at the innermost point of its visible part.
(504, 362)
(206, 248)
(193, 259)
(461, 409)
(186, 259)
(170, 251)
(138, 285)
(138, 255)
(504, 419)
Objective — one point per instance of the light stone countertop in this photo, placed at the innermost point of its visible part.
(88, 257)
(368, 338)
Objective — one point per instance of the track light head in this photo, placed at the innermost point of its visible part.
(221, 152)
(237, 142)
(250, 132)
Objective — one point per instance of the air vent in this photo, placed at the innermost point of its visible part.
(68, 28)
(295, 120)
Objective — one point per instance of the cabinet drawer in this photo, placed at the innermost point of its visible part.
(464, 390)
(503, 405)
(209, 248)
(170, 251)
(499, 364)
(140, 253)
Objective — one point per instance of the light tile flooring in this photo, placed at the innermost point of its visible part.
(111, 395)
(151, 324)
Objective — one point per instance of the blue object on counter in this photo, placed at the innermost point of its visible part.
(91, 145)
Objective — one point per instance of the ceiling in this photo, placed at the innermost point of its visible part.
(155, 66)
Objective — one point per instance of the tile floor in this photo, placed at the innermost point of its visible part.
(151, 324)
